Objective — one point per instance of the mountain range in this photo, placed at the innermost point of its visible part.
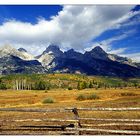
(94, 62)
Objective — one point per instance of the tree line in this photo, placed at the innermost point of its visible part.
(23, 84)
(97, 85)
(28, 84)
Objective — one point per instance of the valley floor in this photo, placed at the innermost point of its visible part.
(109, 98)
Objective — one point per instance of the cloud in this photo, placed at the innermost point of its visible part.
(134, 56)
(107, 43)
(117, 51)
(73, 27)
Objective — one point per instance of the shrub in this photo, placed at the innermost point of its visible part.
(82, 85)
(3, 86)
(48, 101)
(81, 97)
(69, 88)
(93, 97)
(46, 91)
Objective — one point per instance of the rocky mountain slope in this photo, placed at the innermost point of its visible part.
(8, 50)
(94, 62)
(51, 52)
(18, 61)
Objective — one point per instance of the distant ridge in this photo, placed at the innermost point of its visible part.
(94, 62)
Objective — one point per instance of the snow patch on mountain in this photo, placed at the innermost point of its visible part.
(8, 50)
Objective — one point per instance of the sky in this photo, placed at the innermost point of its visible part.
(116, 28)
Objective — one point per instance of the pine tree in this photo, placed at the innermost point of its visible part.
(41, 85)
(90, 85)
(78, 86)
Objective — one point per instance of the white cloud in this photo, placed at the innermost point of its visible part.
(118, 51)
(73, 27)
(107, 43)
(134, 56)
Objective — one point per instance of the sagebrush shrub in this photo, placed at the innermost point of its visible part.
(81, 97)
(69, 88)
(48, 100)
(93, 97)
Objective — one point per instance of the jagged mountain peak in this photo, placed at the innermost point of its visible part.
(51, 52)
(96, 61)
(22, 50)
(97, 53)
(72, 54)
(52, 48)
(71, 50)
(8, 50)
(98, 49)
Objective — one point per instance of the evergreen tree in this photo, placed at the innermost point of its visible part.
(78, 86)
(90, 85)
(84, 85)
(2, 85)
(41, 85)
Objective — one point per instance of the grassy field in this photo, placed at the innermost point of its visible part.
(128, 97)
(62, 98)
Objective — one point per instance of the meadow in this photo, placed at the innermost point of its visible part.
(69, 98)
(64, 98)
(56, 91)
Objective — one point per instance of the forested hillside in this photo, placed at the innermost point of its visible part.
(66, 81)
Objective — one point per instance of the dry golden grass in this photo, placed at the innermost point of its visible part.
(129, 97)
(67, 98)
